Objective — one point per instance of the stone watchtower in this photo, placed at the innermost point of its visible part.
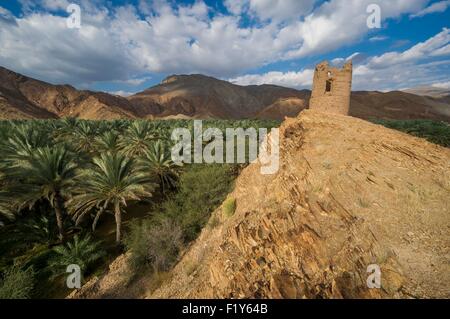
(331, 89)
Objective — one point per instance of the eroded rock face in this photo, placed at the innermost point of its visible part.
(348, 194)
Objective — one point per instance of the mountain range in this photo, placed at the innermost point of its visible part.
(199, 96)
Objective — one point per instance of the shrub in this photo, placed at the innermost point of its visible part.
(17, 283)
(229, 207)
(202, 189)
(154, 244)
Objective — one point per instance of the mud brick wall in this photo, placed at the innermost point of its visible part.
(331, 89)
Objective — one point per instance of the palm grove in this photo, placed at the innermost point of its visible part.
(60, 178)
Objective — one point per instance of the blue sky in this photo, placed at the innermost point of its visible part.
(126, 46)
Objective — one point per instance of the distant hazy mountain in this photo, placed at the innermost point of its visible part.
(197, 96)
(429, 91)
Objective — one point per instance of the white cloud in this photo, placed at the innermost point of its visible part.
(52, 5)
(277, 10)
(280, 10)
(442, 85)
(378, 38)
(55, 4)
(121, 93)
(445, 50)
(42, 46)
(399, 76)
(135, 82)
(356, 57)
(392, 70)
(438, 43)
(119, 44)
(236, 7)
(6, 17)
(335, 23)
(436, 7)
(410, 68)
(298, 80)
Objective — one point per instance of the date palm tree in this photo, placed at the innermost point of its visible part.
(137, 138)
(47, 173)
(111, 182)
(65, 129)
(157, 162)
(84, 136)
(6, 206)
(17, 144)
(21, 143)
(107, 142)
(81, 251)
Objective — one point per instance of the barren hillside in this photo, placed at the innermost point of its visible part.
(399, 106)
(200, 96)
(24, 97)
(348, 194)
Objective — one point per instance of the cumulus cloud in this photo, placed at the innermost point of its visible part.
(55, 4)
(436, 7)
(123, 43)
(337, 22)
(435, 46)
(280, 10)
(51, 5)
(378, 38)
(42, 46)
(134, 82)
(442, 85)
(6, 17)
(355, 58)
(277, 10)
(236, 7)
(121, 93)
(410, 68)
(298, 80)
(393, 70)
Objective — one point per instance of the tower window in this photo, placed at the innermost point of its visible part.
(328, 86)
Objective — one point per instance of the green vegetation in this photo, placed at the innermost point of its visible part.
(65, 185)
(81, 251)
(17, 283)
(434, 131)
(202, 189)
(229, 207)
